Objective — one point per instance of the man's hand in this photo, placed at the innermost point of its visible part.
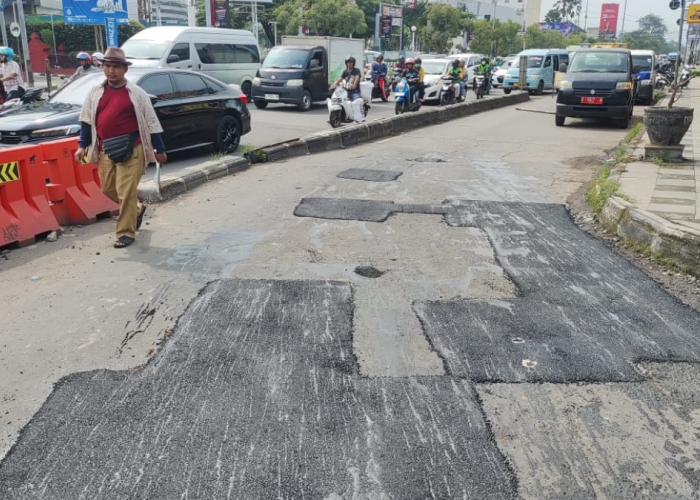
(80, 155)
(161, 158)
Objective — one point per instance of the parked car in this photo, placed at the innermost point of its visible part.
(193, 109)
(434, 69)
(230, 56)
(500, 74)
(599, 83)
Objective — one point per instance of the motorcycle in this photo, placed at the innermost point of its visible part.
(450, 90)
(479, 86)
(343, 110)
(28, 96)
(405, 99)
(685, 75)
(379, 89)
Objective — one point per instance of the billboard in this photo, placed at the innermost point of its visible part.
(565, 29)
(608, 20)
(94, 11)
(693, 14)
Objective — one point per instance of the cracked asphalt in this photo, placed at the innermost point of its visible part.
(367, 324)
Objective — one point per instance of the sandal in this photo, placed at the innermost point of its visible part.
(139, 217)
(123, 242)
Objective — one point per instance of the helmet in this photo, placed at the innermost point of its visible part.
(410, 61)
(350, 59)
(455, 63)
(98, 56)
(418, 60)
(379, 57)
(7, 51)
(402, 57)
(83, 56)
(463, 61)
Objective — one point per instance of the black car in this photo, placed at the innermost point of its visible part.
(194, 110)
(600, 83)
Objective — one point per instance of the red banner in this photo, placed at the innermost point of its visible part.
(608, 19)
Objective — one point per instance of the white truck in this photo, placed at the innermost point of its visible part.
(302, 69)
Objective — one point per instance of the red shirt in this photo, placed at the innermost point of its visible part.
(116, 115)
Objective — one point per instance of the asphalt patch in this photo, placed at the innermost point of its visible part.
(258, 396)
(346, 209)
(583, 313)
(362, 174)
(368, 272)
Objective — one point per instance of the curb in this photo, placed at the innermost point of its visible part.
(323, 141)
(669, 239)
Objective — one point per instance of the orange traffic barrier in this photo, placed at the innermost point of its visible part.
(24, 206)
(74, 189)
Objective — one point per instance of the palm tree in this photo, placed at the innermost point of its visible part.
(568, 8)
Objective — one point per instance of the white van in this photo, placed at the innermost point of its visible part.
(231, 56)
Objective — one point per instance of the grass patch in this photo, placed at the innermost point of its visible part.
(602, 189)
(216, 156)
(659, 160)
(246, 148)
(654, 256)
(658, 95)
(632, 134)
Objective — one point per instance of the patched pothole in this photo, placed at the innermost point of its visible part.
(368, 272)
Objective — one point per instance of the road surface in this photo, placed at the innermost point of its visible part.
(413, 318)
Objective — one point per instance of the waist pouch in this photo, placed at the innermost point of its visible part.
(119, 148)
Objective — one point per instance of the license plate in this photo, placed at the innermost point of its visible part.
(591, 100)
(272, 97)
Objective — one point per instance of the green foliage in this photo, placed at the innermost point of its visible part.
(602, 189)
(649, 36)
(553, 16)
(445, 23)
(77, 37)
(568, 8)
(632, 134)
(322, 17)
(653, 25)
(500, 37)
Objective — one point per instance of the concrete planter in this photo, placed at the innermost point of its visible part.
(667, 126)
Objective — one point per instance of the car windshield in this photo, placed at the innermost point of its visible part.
(532, 62)
(644, 62)
(286, 59)
(145, 49)
(76, 91)
(433, 67)
(599, 62)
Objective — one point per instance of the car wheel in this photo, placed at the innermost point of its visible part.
(540, 88)
(247, 89)
(623, 123)
(507, 91)
(559, 120)
(305, 103)
(228, 135)
(260, 104)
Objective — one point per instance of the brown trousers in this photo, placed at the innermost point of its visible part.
(120, 182)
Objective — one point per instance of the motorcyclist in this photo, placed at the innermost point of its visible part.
(412, 76)
(85, 66)
(352, 76)
(421, 78)
(463, 79)
(499, 61)
(455, 72)
(10, 74)
(379, 67)
(485, 69)
(97, 59)
(401, 65)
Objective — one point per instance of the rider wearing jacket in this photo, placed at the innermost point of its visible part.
(485, 69)
(412, 76)
(455, 72)
(421, 78)
(379, 67)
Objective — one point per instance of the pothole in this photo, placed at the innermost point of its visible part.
(368, 271)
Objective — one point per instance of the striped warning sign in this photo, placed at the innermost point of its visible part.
(9, 172)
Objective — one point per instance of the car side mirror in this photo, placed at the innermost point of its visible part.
(563, 67)
(314, 63)
(173, 58)
(153, 98)
(636, 69)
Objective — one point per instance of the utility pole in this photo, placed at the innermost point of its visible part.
(585, 19)
(624, 14)
(680, 40)
(25, 45)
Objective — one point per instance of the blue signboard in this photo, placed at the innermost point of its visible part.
(94, 11)
(2, 5)
(111, 32)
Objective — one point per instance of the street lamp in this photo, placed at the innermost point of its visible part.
(413, 38)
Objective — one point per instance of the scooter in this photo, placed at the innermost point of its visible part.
(342, 110)
(450, 88)
(404, 100)
(380, 88)
(479, 86)
(685, 76)
(29, 96)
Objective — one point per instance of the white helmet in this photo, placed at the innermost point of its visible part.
(98, 56)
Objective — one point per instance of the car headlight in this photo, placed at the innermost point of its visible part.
(565, 84)
(256, 81)
(55, 132)
(295, 83)
(623, 86)
(646, 82)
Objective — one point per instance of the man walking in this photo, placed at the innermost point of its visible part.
(121, 132)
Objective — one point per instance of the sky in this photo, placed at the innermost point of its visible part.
(635, 10)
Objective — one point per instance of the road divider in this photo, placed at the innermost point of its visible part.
(329, 140)
(42, 187)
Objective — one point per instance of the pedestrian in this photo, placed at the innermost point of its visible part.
(121, 132)
(10, 73)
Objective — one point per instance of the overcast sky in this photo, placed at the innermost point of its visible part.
(635, 10)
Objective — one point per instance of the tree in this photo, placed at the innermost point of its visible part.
(553, 16)
(653, 25)
(500, 37)
(568, 8)
(322, 17)
(444, 24)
